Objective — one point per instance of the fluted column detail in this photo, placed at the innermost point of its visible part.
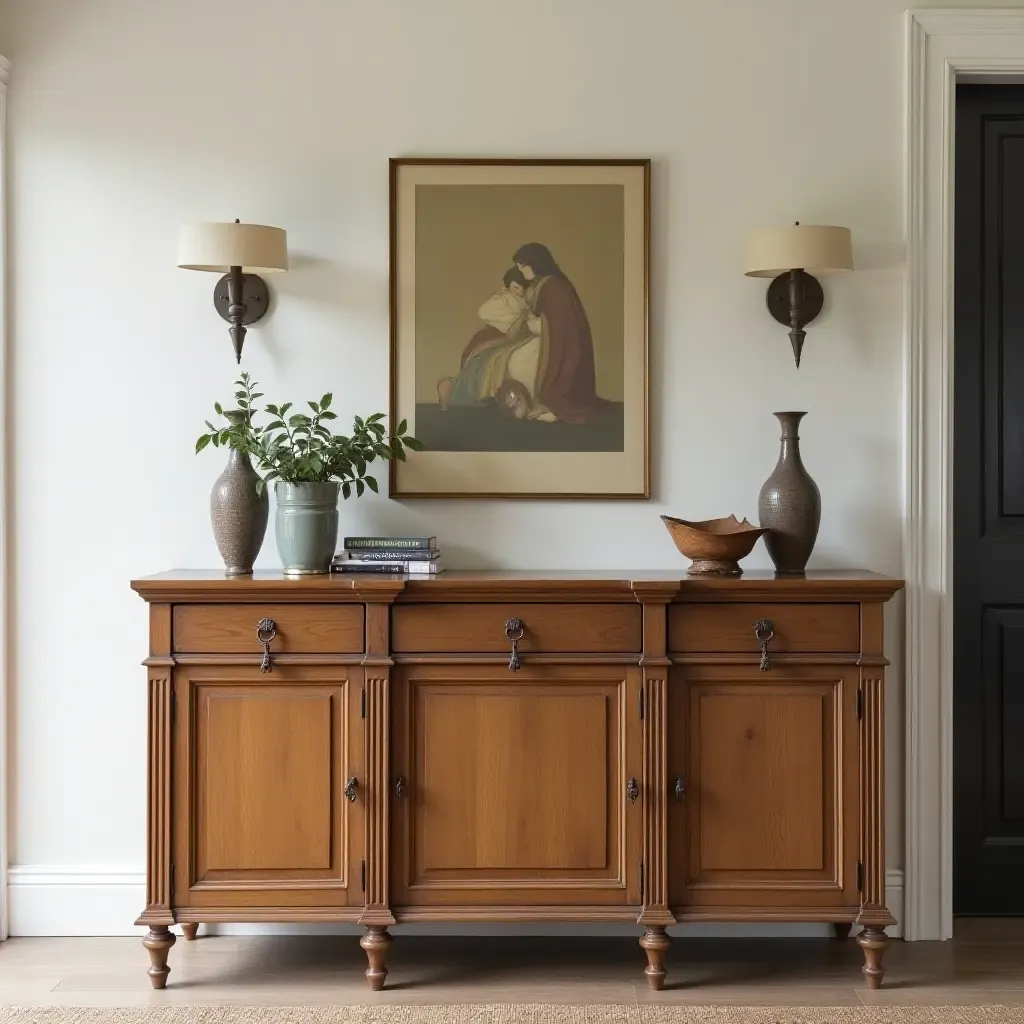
(158, 824)
(872, 803)
(378, 760)
(655, 737)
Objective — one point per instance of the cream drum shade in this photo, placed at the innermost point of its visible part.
(256, 248)
(818, 249)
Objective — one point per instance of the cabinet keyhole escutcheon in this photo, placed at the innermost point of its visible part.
(266, 630)
(350, 789)
(632, 789)
(401, 787)
(679, 791)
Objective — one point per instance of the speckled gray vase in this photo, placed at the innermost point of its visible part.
(238, 514)
(306, 526)
(790, 504)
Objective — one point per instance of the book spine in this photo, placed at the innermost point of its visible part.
(390, 555)
(390, 543)
(381, 567)
(401, 565)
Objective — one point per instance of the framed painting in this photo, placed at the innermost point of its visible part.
(519, 296)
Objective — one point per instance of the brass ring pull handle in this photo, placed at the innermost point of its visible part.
(266, 630)
(350, 789)
(632, 790)
(679, 791)
(514, 630)
(763, 633)
(401, 787)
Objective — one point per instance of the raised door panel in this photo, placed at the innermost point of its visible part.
(516, 786)
(262, 760)
(770, 808)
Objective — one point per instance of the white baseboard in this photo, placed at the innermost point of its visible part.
(74, 900)
(106, 900)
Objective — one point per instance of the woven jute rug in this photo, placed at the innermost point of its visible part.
(516, 1014)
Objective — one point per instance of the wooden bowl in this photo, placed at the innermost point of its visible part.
(714, 546)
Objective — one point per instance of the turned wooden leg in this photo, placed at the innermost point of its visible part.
(158, 941)
(189, 931)
(655, 943)
(874, 942)
(842, 929)
(376, 942)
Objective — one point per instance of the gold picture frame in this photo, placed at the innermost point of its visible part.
(519, 327)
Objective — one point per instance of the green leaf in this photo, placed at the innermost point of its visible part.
(359, 423)
(372, 483)
(346, 489)
(283, 411)
(219, 408)
(415, 444)
(328, 416)
(360, 487)
(296, 420)
(202, 443)
(402, 428)
(376, 416)
(326, 400)
(313, 406)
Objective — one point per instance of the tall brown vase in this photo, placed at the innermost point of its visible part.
(790, 504)
(238, 511)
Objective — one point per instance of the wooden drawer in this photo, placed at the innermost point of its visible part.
(301, 628)
(480, 628)
(729, 628)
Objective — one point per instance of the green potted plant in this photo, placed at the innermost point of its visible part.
(309, 465)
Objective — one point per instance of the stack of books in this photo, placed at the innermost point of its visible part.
(389, 555)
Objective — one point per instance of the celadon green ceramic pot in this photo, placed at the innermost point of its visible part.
(307, 526)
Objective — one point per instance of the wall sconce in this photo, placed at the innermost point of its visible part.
(791, 256)
(241, 252)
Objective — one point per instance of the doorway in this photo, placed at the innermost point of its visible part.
(988, 502)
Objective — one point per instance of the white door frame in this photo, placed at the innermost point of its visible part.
(5, 608)
(942, 47)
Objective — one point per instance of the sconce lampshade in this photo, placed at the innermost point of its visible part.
(256, 248)
(818, 249)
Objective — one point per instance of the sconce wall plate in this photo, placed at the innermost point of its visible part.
(255, 298)
(812, 298)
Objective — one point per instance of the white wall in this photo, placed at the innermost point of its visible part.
(128, 117)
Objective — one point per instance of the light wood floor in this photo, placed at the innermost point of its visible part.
(984, 964)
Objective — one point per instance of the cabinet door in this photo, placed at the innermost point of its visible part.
(261, 763)
(516, 785)
(768, 761)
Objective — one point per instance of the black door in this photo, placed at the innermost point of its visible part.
(988, 512)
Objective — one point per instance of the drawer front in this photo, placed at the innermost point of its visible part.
(480, 628)
(798, 628)
(300, 628)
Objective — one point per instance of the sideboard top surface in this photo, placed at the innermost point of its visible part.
(198, 585)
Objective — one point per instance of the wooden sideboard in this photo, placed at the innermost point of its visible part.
(516, 747)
